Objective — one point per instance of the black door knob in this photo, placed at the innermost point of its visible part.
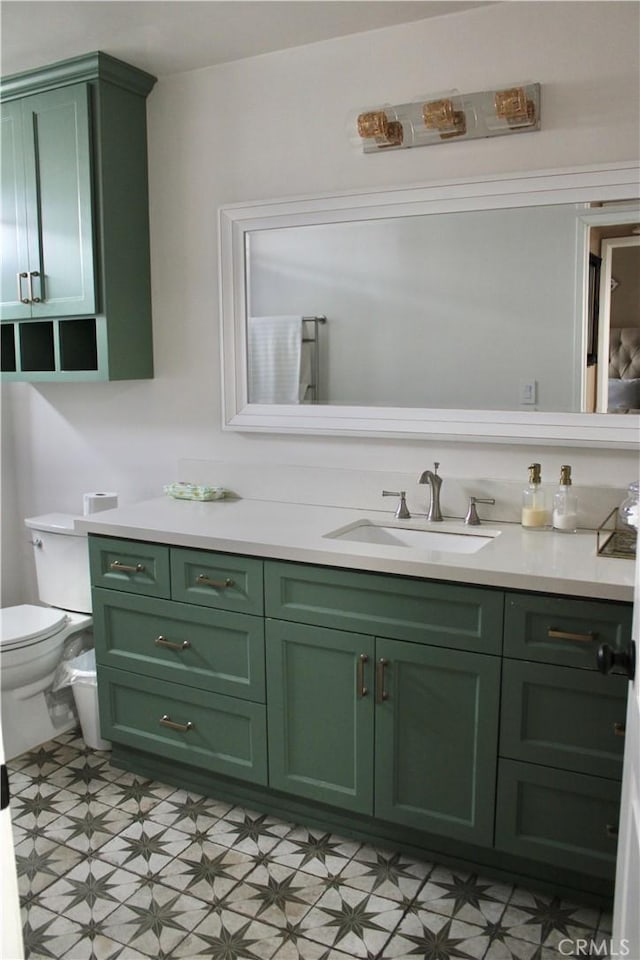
(609, 660)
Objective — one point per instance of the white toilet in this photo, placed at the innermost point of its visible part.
(32, 637)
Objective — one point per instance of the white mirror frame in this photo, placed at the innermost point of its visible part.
(611, 182)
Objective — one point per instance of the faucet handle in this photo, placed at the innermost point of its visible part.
(472, 518)
(402, 511)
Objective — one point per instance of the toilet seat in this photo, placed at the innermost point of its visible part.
(24, 625)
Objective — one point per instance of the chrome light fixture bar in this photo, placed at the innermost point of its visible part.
(450, 116)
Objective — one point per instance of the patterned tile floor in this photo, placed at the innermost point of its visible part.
(113, 867)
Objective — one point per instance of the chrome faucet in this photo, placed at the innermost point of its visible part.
(435, 482)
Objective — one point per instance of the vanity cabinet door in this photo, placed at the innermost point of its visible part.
(129, 565)
(422, 611)
(564, 718)
(436, 732)
(320, 714)
(211, 649)
(195, 727)
(564, 630)
(558, 817)
(221, 580)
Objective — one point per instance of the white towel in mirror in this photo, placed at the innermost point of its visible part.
(275, 354)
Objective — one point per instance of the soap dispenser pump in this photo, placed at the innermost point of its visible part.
(565, 504)
(534, 509)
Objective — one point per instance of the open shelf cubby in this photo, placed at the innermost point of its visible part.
(78, 345)
(46, 347)
(8, 348)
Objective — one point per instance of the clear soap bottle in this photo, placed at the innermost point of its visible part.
(565, 504)
(534, 508)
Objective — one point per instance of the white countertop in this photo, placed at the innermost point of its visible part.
(545, 561)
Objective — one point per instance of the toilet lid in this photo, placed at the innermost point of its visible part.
(26, 624)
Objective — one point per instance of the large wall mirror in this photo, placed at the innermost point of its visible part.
(476, 309)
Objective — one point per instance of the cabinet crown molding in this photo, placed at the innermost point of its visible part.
(89, 67)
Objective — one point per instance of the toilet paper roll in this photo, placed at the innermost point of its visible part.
(96, 501)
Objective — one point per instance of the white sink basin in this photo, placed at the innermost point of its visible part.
(417, 538)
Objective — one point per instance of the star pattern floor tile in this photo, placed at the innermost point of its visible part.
(113, 866)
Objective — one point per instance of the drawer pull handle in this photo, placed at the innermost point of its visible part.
(612, 830)
(619, 729)
(163, 642)
(166, 721)
(381, 693)
(123, 568)
(564, 635)
(361, 689)
(218, 584)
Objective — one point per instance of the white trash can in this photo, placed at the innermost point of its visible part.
(84, 682)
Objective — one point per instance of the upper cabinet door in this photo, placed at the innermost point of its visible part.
(60, 204)
(47, 189)
(14, 252)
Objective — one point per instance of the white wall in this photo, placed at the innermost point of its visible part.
(276, 126)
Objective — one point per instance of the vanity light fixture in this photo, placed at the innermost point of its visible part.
(449, 116)
(380, 127)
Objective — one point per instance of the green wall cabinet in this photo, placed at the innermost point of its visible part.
(75, 299)
(453, 721)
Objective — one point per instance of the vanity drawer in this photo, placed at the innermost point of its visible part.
(221, 734)
(561, 717)
(129, 565)
(221, 580)
(441, 614)
(562, 630)
(558, 817)
(211, 649)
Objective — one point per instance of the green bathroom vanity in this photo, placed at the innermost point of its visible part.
(455, 721)
(75, 277)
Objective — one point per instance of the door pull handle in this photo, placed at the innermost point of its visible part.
(361, 689)
(381, 693)
(20, 276)
(30, 276)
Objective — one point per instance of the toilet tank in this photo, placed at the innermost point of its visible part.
(62, 562)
